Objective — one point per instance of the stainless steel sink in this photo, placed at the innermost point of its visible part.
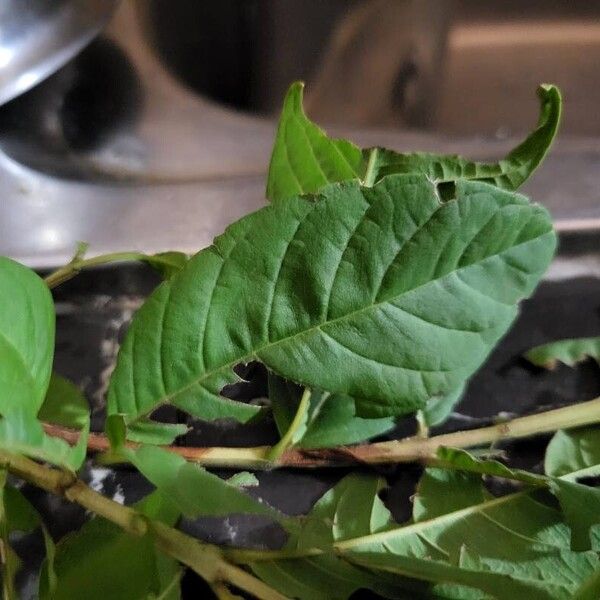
(119, 150)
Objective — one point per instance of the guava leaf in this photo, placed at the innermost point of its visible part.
(18, 515)
(509, 546)
(570, 352)
(572, 450)
(330, 420)
(101, 561)
(334, 516)
(508, 173)
(27, 325)
(65, 405)
(355, 311)
(456, 458)
(167, 263)
(304, 159)
(581, 506)
(192, 489)
(439, 408)
(465, 544)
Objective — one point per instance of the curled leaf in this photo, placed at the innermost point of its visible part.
(304, 159)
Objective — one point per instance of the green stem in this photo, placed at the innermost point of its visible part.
(413, 449)
(206, 560)
(371, 171)
(288, 438)
(72, 268)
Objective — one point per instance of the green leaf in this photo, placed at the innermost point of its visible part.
(304, 159)
(334, 517)
(512, 546)
(195, 491)
(18, 515)
(572, 450)
(101, 561)
(508, 173)
(363, 318)
(330, 421)
(589, 589)
(455, 458)
(243, 479)
(438, 409)
(167, 263)
(581, 506)
(570, 352)
(22, 433)
(26, 338)
(433, 500)
(65, 405)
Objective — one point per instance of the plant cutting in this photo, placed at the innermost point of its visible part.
(372, 287)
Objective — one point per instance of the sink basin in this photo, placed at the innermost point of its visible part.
(119, 148)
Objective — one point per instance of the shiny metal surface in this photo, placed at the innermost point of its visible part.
(114, 150)
(37, 37)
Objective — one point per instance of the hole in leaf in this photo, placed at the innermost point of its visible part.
(446, 190)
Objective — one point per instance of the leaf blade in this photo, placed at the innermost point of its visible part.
(314, 330)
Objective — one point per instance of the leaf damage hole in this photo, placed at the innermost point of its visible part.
(446, 190)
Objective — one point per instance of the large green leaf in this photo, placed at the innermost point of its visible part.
(570, 352)
(26, 338)
(464, 544)
(329, 421)
(101, 561)
(355, 311)
(304, 159)
(513, 546)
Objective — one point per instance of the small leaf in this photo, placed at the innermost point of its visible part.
(509, 173)
(331, 419)
(433, 497)
(65, 405)
(363, 319)
(454, 458)
(304, 159)
(26, 338)
(334, 517)
(22, 433)
(17, 515)
(581, 506)
(101, 561)
(438, 409)
(194, 491)
(572, 450)
(243, 479)
(570, 352)
(167, 263)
